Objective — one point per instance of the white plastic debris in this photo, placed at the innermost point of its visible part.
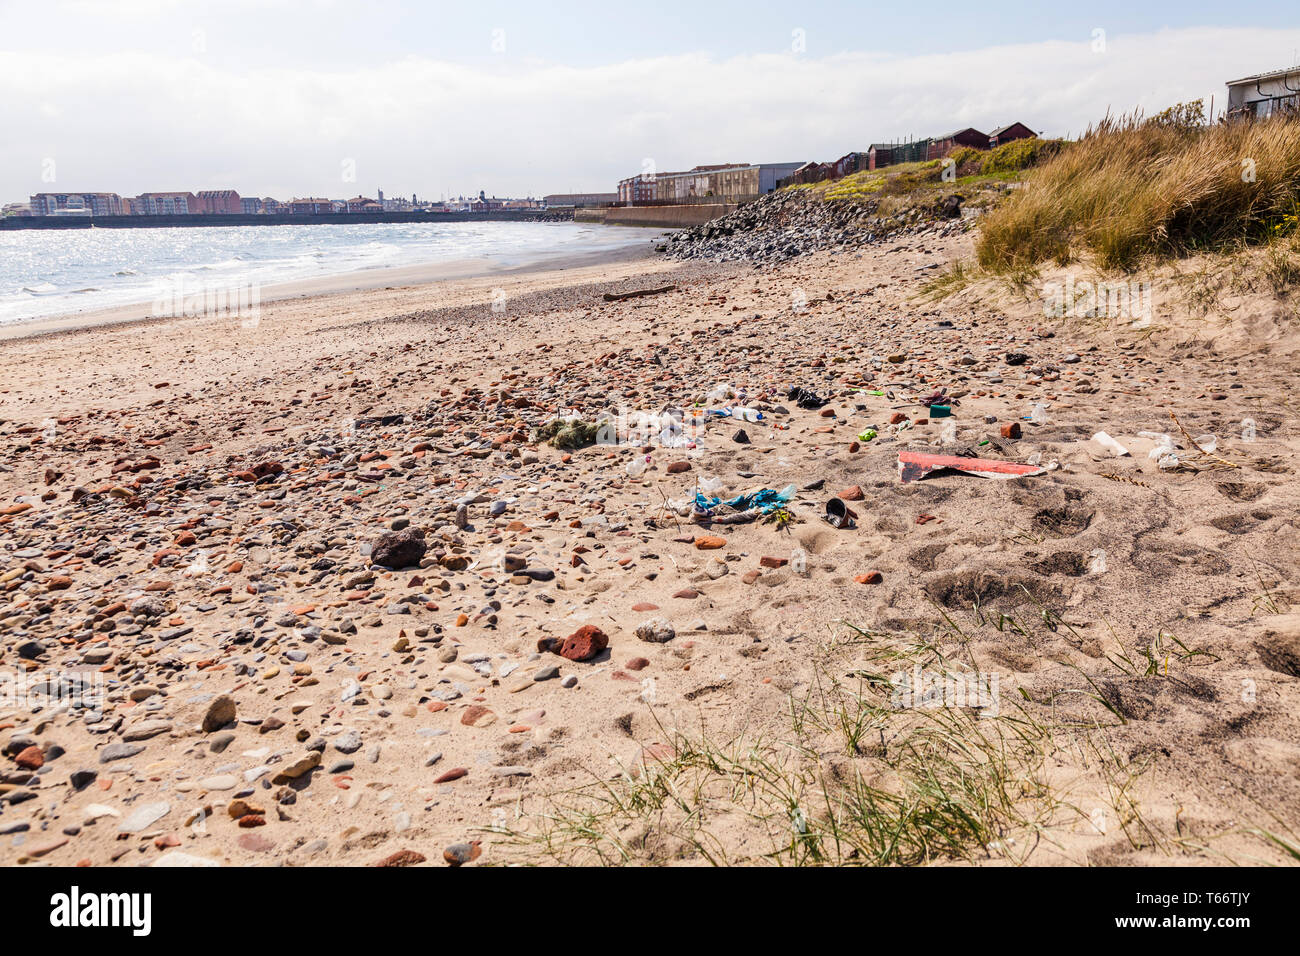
(1164, 454)
(1110, 444)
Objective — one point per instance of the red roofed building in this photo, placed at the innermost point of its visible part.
(218, 201)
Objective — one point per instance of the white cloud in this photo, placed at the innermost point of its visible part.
(132, 121)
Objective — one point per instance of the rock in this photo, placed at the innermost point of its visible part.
(308, 761)
(458, 854)
(399, 549)
(222, 781)
(119, 752)
(146, 730)
(145, 816)
(584, 643)
(31, 758)
(709, 542)
(656, 631)
(477, 715)
(237, 809)
(348, 743)
(255, 843)
(220, 712)
(401, 858)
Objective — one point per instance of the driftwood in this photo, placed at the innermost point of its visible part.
(620, 296)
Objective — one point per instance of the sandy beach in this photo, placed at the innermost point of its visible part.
(193, 508)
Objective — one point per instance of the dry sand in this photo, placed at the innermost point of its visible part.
(1168, 683)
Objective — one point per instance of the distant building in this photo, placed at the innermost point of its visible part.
(639, 188)
(250, 205)
(273, 207)
(165, 204)
(579, 199)
(881, 155)
(213, 201)
(941, 146)
(1005, 134)
(811, 172)
(723, 181)
(77, 204)
(310, 207)
(360, 204)
(1255, 97)
(16, 209)
(850, 163)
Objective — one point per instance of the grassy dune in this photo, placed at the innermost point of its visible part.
(1163, 186)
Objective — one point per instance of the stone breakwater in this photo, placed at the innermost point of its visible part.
(788, 224)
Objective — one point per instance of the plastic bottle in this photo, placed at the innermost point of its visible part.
(747, 414)
(948, 434)
(637, 466)
(1038, 414)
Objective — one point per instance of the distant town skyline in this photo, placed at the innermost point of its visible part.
(138, 95)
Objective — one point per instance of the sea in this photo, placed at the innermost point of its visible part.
(47, 272)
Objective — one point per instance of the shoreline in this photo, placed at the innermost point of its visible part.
(363, 280)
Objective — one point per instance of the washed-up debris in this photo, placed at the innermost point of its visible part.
(805, 398)
(742, 508)
(619, 296)
(914, 465)
(567, 433)
(840, 515)
(1110, 444)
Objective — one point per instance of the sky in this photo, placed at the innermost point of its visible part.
(339, 98)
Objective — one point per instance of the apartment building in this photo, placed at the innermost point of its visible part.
(77, 204)
(165, 204)
(211, 201)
